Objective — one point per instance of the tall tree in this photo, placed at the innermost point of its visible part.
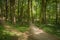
(12, 11)
(32, 19)
(2, 12)
(6, 9)
(56, 11)
(29, 6)
(21, 13)
(43, 11)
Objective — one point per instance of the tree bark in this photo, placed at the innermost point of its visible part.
(12, 11)
(43, 11)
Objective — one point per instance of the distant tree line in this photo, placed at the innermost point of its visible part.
(26, 11)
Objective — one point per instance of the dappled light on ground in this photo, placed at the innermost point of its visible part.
(39, 34)
(33, 33)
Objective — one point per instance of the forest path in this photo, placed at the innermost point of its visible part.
(12, 30)
(17, 35)
(34, 33)
(39, 34)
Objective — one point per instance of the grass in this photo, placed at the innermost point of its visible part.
(7, 35)
(21, 28)
(3, 36)
(51, 29)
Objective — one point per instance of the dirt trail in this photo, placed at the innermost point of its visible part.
(17, 35)
(34, 33)
(39, 34)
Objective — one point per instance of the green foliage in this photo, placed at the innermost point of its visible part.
(51, 28)
(21, 28)
(19, 14)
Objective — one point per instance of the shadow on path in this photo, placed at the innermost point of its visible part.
(39, 34)
(34, 33)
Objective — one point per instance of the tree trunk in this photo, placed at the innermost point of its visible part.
(12, 11)
(43, 11)
(29, 20)
(6, 10)
(56, 12)
(2, 13)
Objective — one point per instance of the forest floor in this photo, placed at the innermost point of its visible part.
(37, 34)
